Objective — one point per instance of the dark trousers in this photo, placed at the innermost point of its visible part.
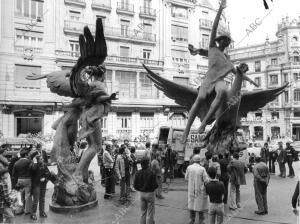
(169, 172)
(102, 173)
(272, 165)
(109, 176)
(226, 183)
(260, 189)
(38, 193)
(125, 186)
(290, 164)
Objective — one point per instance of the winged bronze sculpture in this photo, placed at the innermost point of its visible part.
(85, 84)
(236, 105)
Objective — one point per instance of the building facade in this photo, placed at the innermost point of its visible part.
(273, 64)
(42, 36)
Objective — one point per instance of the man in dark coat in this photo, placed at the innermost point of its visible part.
(224, 162)
(281, 159)
(290, 155)
(236, 170)
(261, 180)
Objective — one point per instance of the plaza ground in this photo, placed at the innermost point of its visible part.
(173, 209)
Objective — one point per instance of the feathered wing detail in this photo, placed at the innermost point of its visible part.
(92, 52)
(181, 94)
(252, 101)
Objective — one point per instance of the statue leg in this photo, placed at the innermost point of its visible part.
(192, 115)
(220, 89)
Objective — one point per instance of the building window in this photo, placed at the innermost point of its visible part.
(181, 80)
(108, 81)
(259, 133)
(179, 12)
(147, 88)
(179, 56)
(124, 51)
(257, 66)
(103, 18)
(257, 80)
(286, 96)
(273, 79)
(244, 83)
(297, 114)
(126, 84)
(274, 61)
(74, 46)
(285, 77)
(124, 125)
(258, 115)
(29, 122)
(29, 39)
(178, 120)
(275, 131)
(125, 28)
(296, 57)
(29, 8)
(205, 15)
(275, 115)
(179, 33)
(103, 123)
(74, 15)
(146, 54)
(297, 95)
(205, 41)
(296, 76)
(294, 40)
(21, 71)
(146, 121)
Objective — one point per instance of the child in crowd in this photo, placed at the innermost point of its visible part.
(215, 189)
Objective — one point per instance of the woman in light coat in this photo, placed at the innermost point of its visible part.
(197, 197)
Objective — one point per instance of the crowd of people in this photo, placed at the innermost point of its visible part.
(27, 173)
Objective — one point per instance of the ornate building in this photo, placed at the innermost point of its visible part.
(42, 36)
(272, 64)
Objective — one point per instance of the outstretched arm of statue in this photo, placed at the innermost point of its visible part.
(195, 51)
(213, 34)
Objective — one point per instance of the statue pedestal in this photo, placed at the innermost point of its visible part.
(72, 209)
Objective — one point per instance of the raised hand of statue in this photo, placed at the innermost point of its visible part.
(192, 50)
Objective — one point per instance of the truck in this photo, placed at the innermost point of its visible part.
(172, 136)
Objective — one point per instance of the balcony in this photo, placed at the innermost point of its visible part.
(147, 13)
(75, 27)
(80, 3)
(104, 5)
(129, 34)
(73, 55)
(205, 23)
(127, 9)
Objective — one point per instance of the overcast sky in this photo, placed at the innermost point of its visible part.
(241, 13)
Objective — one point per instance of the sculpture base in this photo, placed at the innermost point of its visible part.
(72, 209)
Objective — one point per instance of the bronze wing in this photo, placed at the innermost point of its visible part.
(252, 101)
(181, 94)
(92, 52)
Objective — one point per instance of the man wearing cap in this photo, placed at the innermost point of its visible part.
(219, 66)
(197, 197)
(21, 173)
(236, 170)
(290, 153)
(261, 180)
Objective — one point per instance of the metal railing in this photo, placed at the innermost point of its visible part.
(125, 7)
(81, 2)
(116, 59)
(147, 11)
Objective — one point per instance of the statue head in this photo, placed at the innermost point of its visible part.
(223, 40)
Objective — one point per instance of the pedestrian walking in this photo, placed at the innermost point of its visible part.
(281, 159)
(133, 167)
(197, 197)
(236, 170)
(123, 173)
(215, 190)
(145, 183)
(40, 175)
(170, 162)
(156, 169)
(108, 164)
(148, 150)
(290, 155)
(224, 162)
(261, 180)
(22, 174)
(272, 159)
(5, 201)
(196, 151)
(264, 153)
